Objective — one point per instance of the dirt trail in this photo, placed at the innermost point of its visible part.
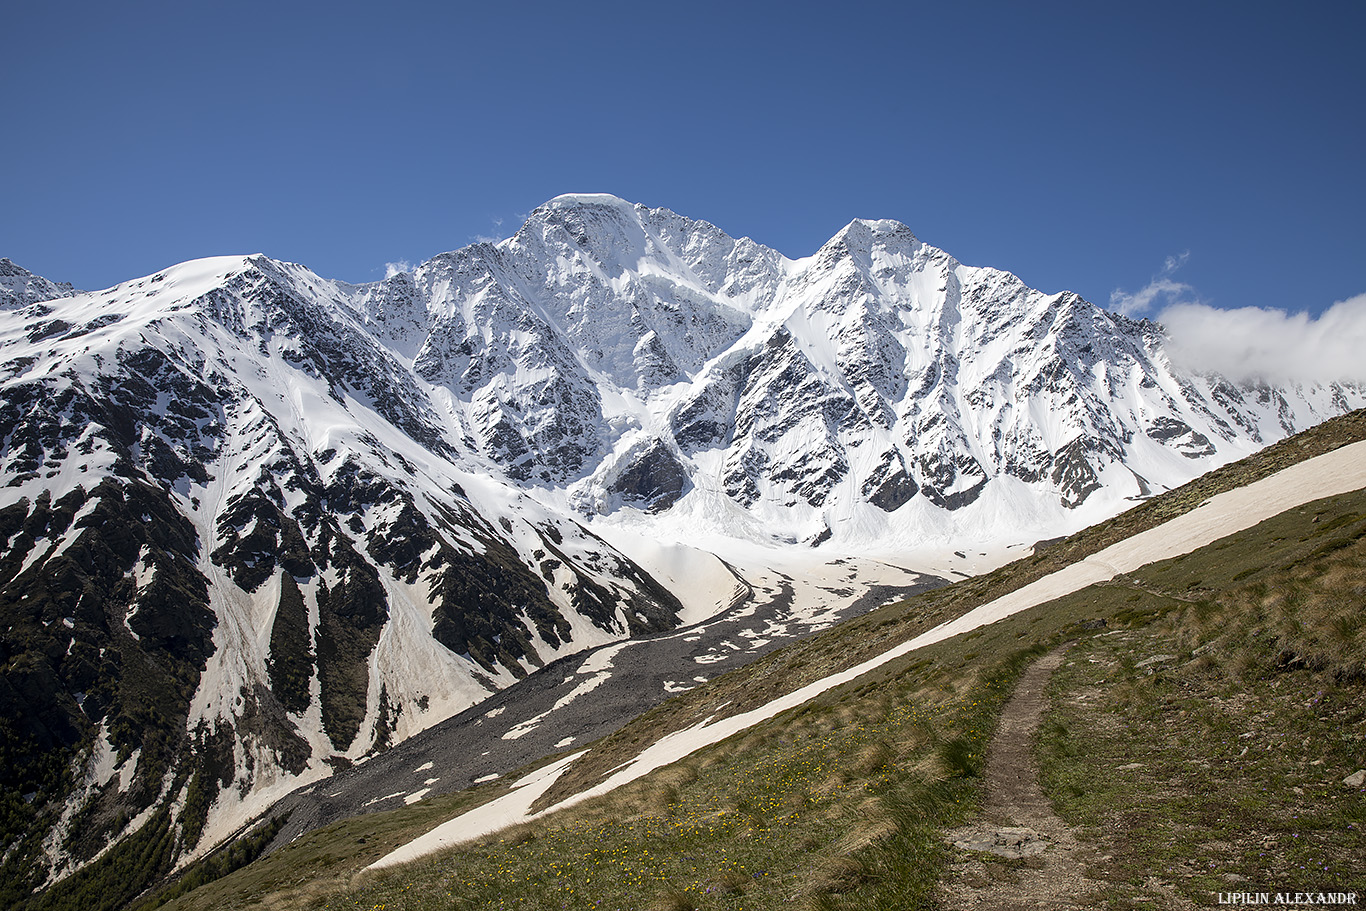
(1020, 855)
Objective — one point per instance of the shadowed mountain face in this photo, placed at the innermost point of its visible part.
(258, 524)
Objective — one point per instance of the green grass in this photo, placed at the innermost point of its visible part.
(1221, 769)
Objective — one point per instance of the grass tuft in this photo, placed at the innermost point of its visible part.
(960, 757)
(674, 900)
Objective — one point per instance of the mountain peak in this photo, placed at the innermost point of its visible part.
(9, 268)
(20, 287)
(580, 212)
(857, 241)
(868, 231)
(609, 230)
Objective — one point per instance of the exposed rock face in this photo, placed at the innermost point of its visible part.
(20, 287)
(653, 480)
(1179, 436)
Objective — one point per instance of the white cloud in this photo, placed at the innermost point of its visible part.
(1251, 343)
(1172, 263)
(392, 269)
(1162, 286)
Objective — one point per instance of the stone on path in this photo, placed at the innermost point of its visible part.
(1007, 841)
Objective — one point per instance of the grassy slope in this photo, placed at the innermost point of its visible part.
(839, 803)
(1222, 768)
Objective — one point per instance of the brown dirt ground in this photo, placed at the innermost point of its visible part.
(1020, 855)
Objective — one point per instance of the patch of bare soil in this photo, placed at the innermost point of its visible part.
(1020, 855)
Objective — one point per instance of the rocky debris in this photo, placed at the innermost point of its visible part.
(1006, 841)
(1149, 664)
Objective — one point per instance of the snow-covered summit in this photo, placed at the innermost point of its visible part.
(577, 200)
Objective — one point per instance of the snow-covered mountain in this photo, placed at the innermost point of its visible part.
(259, 523)
(626, 360)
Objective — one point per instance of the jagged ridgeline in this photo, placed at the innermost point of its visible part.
(259, 524)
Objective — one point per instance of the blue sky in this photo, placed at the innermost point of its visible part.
(1203, 151)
